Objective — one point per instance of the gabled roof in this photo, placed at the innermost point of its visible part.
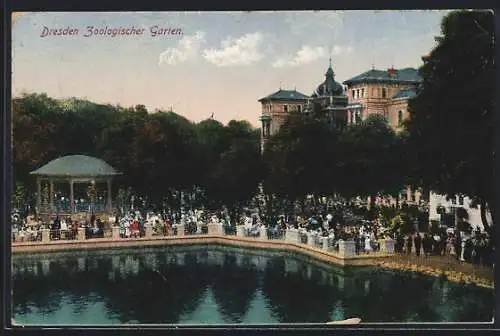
(76, 165)
(406, 93)
(406, 75)
(285, 95)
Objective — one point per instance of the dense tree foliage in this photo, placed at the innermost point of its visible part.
(450, 129)
(161, 154)
(371, 159)
(301, 158)
(310, 157)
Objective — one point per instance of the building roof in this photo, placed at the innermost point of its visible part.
(329, 87)
(75, 166)
(406, 75)
(405, 94)
(285, 95)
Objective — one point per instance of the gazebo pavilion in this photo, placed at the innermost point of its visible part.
(73, 169)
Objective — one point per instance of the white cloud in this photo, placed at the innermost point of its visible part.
(338, 50)
(240, 51)
(305, 55)
(186, 49)
(308, 54)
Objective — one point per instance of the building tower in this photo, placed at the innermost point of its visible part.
(275, 109)
(330, 100)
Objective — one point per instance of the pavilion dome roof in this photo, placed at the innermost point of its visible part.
(75, 166)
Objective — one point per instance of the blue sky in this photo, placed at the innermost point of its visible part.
(222, 63)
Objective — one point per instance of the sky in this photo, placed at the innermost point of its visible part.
(209, 62)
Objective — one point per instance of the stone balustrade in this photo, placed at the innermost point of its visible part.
(45, 235)
(148, 230)
(240, 231)
(263, 233)
(347, 248)
(215, 229)
(325, 243)
(115, 232)
(310, 239)
(292, 236)
(388, 245)
(180, 230)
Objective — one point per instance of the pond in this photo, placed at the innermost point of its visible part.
(213, 284)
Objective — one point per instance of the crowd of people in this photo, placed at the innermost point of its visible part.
(476, 247)
(65, 228)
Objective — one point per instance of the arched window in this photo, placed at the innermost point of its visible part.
(299, 108)
(285, 108)
(384, 93)
(400, 118)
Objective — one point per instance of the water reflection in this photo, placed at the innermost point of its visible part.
(223, 285)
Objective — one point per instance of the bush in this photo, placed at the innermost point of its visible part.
(434, 227)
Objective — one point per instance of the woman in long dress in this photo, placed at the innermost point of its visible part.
(368, 245)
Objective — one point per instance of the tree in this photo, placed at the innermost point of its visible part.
(301, 159)
(234, 179)
(450, 129)
(370, 161)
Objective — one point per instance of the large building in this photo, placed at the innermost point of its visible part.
(450, 204)
(329, 98)
(275, 109)
(382, 92)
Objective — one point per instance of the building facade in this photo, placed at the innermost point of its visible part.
(382, 92)
(372, 92)
(450, 204)
(329, 98)
(275, 109)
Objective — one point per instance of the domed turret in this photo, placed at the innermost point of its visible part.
(329, 87)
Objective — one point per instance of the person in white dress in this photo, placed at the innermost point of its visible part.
(368, 245)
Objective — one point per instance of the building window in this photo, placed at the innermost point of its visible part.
(454, 200)
(400, 118)
(353, 94)
(384, 93)
(363, 93)
(460, 200)
(299, 108)
(285, 108)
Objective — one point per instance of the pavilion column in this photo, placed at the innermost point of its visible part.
(38, 193)
(108, 203)
(71, 196)
(51, 197)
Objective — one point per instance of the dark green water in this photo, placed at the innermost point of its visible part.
(222, 285)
